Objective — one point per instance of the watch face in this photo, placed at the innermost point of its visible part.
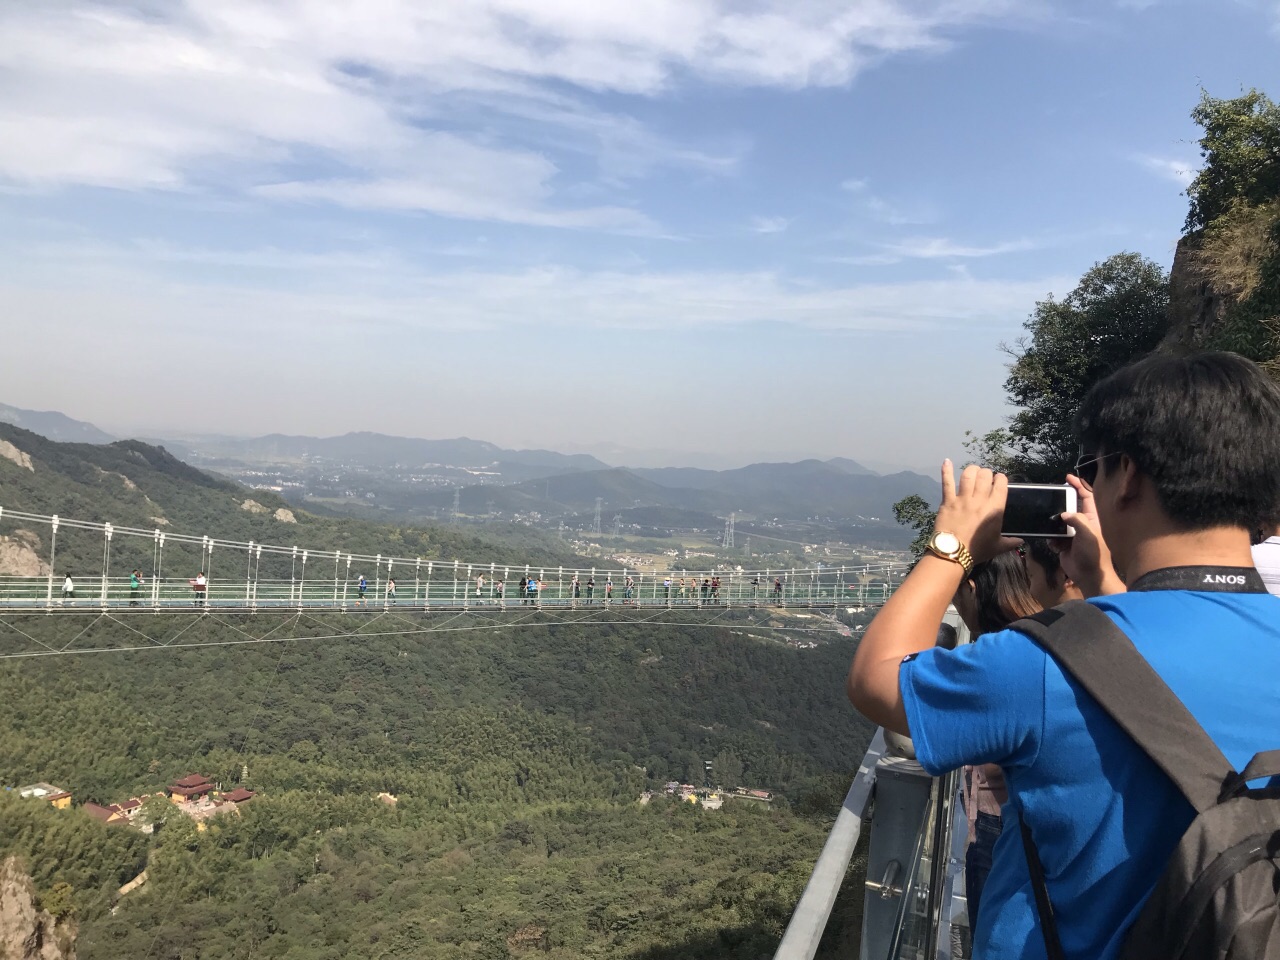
(946, 542)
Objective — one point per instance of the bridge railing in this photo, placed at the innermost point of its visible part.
(265, 575)
(177, 592)
(912, 884)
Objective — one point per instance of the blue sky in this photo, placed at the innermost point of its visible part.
(692, 230)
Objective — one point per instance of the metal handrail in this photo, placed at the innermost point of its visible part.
(946, 825)
(804, 931)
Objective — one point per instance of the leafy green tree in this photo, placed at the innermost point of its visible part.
(1241, 151)
(915, 512)
(1115, 315)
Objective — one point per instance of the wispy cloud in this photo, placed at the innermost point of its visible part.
(1180, 171)
(770, 224)
(934, 248)
(893, 213)
(331, 291)
(939, 248)
(329, 101)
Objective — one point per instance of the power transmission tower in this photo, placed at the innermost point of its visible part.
(457, 500)
(595, 526)
(728, 532)
(617, 524)
(748, 546)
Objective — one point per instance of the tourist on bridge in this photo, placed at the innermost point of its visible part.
(777, 590)
(499, 589)
(715, 589)
(534, 586)
(135, 588)
(391, 590)
(361, 587)
(200, 587)
(524, 589)
(575, 588)
(608, 590)
(68, 588)
(591, 589)
(666, 589)
(628, 588)
(479, 585)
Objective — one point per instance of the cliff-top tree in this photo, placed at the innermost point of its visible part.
(1241, 151)
(1235, 207)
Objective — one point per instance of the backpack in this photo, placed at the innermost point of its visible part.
(1219, 894)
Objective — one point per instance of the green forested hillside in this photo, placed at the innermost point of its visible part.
(518, 759)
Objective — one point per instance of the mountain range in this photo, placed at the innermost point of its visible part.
(409, 478)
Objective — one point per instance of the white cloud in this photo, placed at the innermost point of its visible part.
(1181, 172)
(938, 248)
(457, 108)
(770, 224)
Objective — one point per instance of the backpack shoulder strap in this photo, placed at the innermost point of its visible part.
(1088, 645)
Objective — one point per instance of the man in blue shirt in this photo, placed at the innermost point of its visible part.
(1179, 463)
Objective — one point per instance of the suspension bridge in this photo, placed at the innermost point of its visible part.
(233, 584)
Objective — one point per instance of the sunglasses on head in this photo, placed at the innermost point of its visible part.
(1086, 467)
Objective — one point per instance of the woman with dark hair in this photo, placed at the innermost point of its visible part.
(997, 594)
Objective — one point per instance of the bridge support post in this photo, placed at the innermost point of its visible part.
(248, 579)
(53, 558)
(106, 564)
(902, 797)
(302, 587)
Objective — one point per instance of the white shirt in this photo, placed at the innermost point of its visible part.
(68, 586)
(200, 581)
(1266, 557)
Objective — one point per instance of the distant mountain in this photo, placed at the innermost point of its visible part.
(809, 488)
(379, 450)
(133, 484)
(853, 467)
(54, 425)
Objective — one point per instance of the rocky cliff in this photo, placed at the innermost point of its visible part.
(26, 931)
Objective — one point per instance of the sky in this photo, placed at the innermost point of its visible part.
(674, 231)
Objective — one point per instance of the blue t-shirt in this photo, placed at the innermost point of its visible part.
(1104, 817)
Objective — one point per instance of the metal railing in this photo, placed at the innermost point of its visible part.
(258, 575)
(914, 905)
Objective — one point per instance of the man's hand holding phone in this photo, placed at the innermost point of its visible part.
(1085, 557)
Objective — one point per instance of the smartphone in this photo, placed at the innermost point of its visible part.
(1034, 510)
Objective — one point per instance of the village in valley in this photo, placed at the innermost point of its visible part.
(192, 796)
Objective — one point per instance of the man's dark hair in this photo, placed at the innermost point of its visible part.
(1044, 556)
(947, 638)
(1204, 428)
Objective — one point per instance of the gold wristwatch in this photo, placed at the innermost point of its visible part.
(948, 547)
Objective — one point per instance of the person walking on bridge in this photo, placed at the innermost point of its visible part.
(391, 590)
(361, 587)
(135, 588)
(591, 589)
(68, 589)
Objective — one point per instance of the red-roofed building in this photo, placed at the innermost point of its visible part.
(191, 787)
(104, 814)
(238, 796)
